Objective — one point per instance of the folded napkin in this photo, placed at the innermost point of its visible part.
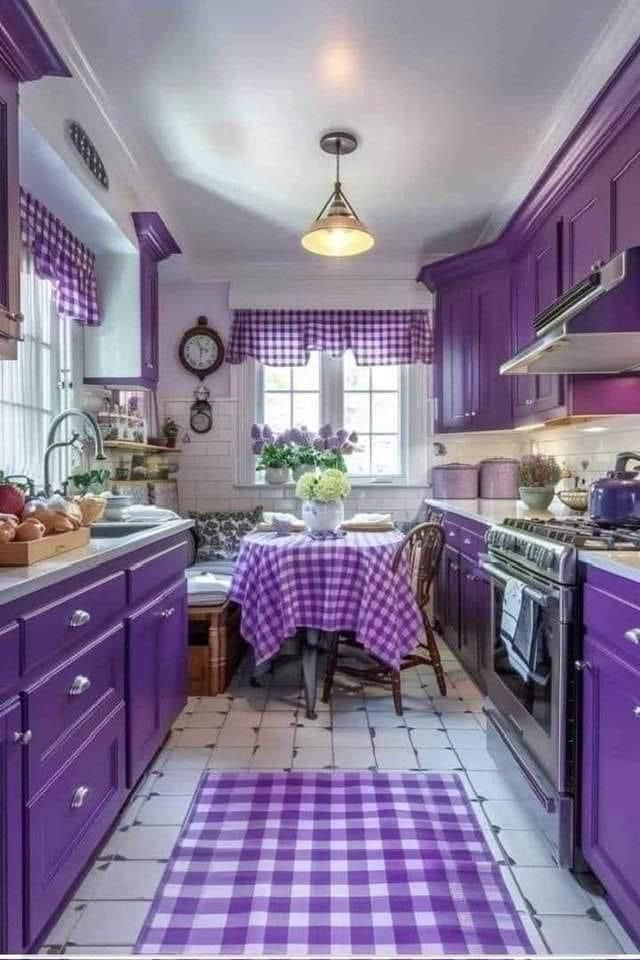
(271, 519)
(370, 518)
(369, 522)
(204, 588)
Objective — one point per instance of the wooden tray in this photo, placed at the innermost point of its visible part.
(24, 554)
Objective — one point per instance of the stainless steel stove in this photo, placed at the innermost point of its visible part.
(532, 729)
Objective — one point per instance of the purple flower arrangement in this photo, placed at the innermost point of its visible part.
(304, 446)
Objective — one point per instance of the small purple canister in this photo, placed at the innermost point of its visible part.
(455, 481)
(499, 478)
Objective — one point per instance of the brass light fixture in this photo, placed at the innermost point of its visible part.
(337, 231)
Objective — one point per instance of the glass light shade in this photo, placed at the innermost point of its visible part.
(337, 236)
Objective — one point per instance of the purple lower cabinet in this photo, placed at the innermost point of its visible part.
(68, 818)
(11, 854)
(156, 675)
(610, 821)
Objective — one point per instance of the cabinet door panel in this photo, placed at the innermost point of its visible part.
(586, 230)
(468, 644)
(625, 203)
(490, 396)
(451, 580)
(610, 776)
(11, 830)
(524, 387)
(547, 286)
(173, 664)
(454, 319)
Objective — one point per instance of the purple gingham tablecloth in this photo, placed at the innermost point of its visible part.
(284, 583)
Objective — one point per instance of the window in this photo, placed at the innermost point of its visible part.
(369, 400)
(37, 385)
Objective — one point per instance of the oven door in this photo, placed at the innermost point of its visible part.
(527, 680)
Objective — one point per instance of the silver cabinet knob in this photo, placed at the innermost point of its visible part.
(582, 665)
(167, 612)
(636, 712)
(79, 797)
(79, 618)
(467, 541)
(22, 737)
(79, 685)
(633, 636)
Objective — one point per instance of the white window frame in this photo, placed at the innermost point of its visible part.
(247, 383)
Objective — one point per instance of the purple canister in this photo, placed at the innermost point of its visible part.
(499, 478)
(455, 481)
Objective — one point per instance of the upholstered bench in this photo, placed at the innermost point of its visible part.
(216, 646)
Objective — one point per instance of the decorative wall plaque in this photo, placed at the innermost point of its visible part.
(90, 156)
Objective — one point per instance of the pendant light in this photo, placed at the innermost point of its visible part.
(337, 231)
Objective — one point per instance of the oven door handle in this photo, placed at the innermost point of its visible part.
(497, 573)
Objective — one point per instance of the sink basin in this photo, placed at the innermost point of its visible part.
(115, 529)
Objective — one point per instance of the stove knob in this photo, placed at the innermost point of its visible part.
(532, 551)
(548, 559)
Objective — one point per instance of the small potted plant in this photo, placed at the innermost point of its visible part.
(275, 459)
(171, 430)
(322, 496)
(305, 460)
(538, 478)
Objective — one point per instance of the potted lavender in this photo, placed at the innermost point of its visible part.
(538, 478)
(274, 454)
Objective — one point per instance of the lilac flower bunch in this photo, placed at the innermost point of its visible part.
(304, 441)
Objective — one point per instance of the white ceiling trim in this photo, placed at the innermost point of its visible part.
(607, 53)
(345, 294)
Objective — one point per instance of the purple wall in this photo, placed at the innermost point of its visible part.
(180, 304)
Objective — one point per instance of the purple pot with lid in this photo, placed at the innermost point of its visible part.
(499, 478)
(616, 497)
(455, 481)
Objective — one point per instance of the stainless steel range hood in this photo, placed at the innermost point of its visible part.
(593, 328)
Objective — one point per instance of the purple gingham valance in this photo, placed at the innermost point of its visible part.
(282, 338)
(61, 258)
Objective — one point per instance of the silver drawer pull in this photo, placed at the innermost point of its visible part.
(80, 685)
(466, 540)
(79, 797)
(167, 612)
(78, 618)
(582, 665)
(633, 635)
(636, 712)
(22, 737)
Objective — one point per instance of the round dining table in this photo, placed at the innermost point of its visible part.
(344, 584)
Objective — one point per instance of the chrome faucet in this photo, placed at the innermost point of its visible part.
(56, 445)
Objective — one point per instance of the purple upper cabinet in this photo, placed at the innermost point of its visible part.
(491, 407)
(546, 267)
(26, 53)
(453, 320)
(621, 173)
(156, 244)
(11, 858)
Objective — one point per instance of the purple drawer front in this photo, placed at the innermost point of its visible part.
(68, 820)
(452, 533)
(157, 571)
(77, 617)
(9, 655)
(470, 543)
(66, 705)
(615, 622)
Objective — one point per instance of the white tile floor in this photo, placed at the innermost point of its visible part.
(266, 729)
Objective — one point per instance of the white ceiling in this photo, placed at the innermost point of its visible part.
(451, 100)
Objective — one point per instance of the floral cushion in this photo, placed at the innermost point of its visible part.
(218, 535)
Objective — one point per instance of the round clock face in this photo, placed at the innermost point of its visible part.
(200, 351)
(201, 421)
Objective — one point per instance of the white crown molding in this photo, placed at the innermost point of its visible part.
(614, 42)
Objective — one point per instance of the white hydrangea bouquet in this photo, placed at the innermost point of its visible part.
(323, 495)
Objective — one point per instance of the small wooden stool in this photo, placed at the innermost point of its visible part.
(212, 665)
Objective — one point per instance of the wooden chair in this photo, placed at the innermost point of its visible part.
(421, 550)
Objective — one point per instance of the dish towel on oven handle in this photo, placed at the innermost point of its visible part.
(517, 628)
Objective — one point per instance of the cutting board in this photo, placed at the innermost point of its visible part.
(32, 551)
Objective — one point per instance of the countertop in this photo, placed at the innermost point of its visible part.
(18, 582)
(492, 512)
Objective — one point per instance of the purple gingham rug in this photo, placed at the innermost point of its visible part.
(332, 864)
(283, 583)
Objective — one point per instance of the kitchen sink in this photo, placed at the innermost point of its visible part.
(114, 529)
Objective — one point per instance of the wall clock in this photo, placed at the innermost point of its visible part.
(201, 349)
(201, 417)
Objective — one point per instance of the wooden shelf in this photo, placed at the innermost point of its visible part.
(133, 447)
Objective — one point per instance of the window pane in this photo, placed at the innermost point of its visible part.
(307, 378)
(306, 410)
(385, 458)
(277, 411)
(384, 378)
(358, 463)
(355, 377)
(277, 378)
(356, 412)
(384, 407)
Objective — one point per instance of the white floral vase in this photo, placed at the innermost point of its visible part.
(276, 476)
(322, 516)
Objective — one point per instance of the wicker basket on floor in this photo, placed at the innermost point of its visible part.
(213, 663)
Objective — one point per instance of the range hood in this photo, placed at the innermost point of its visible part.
(592, 328)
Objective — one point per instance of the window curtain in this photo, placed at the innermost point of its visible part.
(283, 338)
(61, 258)
(28, 393)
